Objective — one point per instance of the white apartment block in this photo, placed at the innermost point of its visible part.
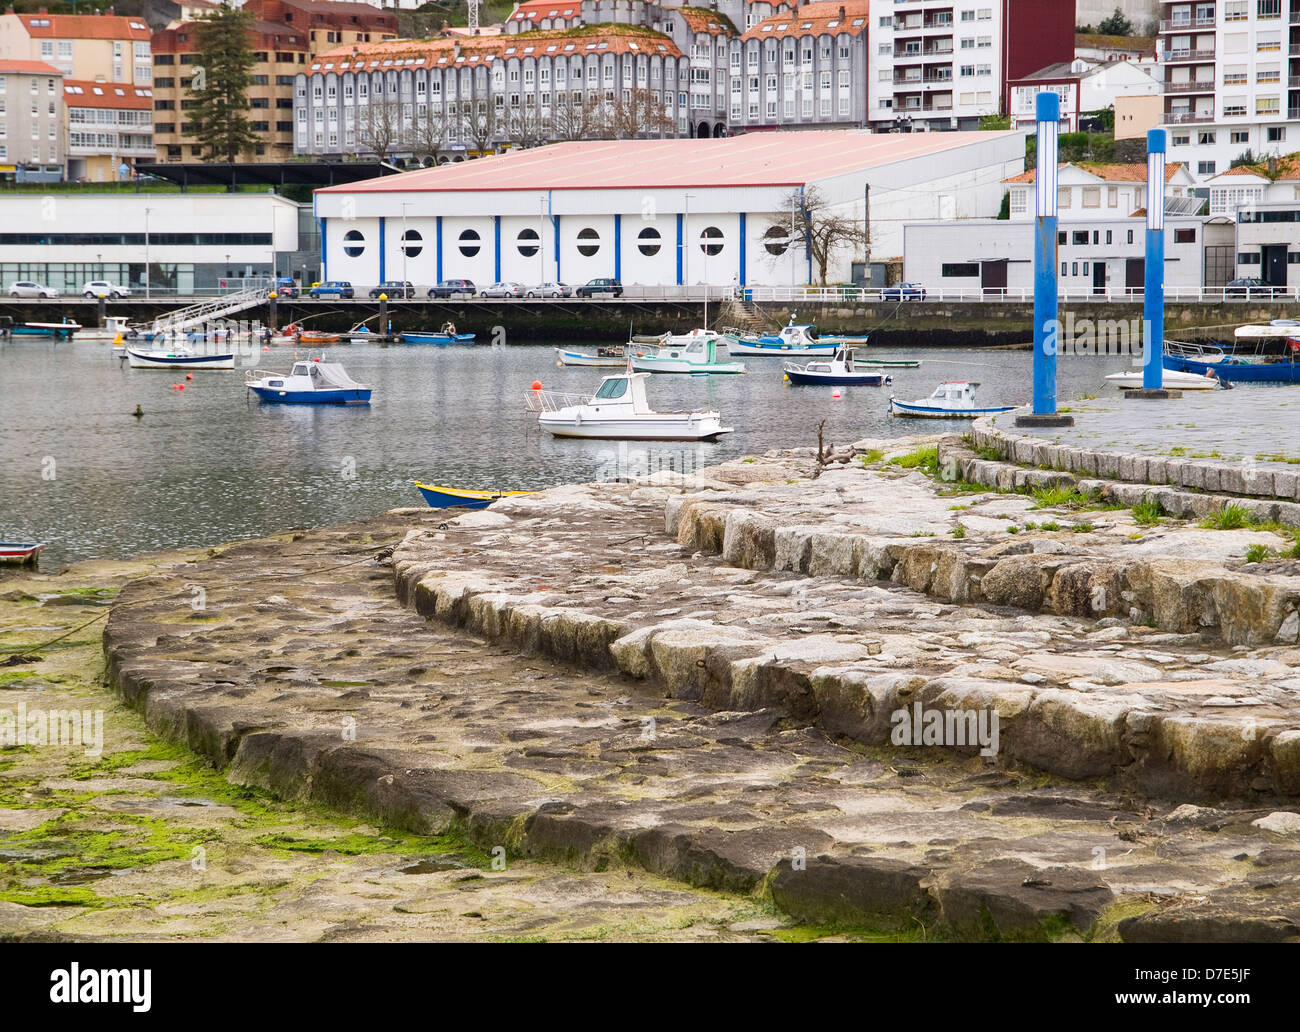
(1231, 80)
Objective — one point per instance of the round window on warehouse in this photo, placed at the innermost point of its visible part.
(411, 243)
(353, 243)
(711, 241)
(529, 243)
(647, 242)
(592, 244)
(469, 243)
(776, 240)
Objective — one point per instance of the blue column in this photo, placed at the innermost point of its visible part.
(438, 248)
(1046, 326)
(323, 251)
(618, 246)
(741, 244)
(555, 222)
(679, 249)
(1153, 300)
(496, 235)
(382, 256)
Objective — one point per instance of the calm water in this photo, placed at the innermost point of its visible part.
(208, 465)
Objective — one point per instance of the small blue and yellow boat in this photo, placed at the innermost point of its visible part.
(451, 497)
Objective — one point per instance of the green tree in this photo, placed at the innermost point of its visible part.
(220, 84)
(1116, 25)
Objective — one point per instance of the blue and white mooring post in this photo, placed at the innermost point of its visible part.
(1046, 326)
(1153, 302)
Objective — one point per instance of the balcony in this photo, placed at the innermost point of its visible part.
(1206, 86)
(1185, 24)
(929, 80)
(1293, 114)
(1188, 117)
(1188, 56)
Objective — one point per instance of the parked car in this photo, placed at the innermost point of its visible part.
(286, 286)
(453, 287)
(28, 288)
(550, 290)
(394, 288)
(104, 288)
(602, 285)
(506, 289)
(333, 288)
(903, 292)
(1252, 286)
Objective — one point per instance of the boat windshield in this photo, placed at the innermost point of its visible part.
(614, 387)
(300, 369)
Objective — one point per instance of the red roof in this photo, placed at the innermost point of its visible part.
(820, 18)
(429, 53)
(1107, 173)
(32, 67)
(89, 94)
(540, 10)
(753, 159)
(84, 26)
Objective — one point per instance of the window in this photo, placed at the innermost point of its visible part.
(588, 249)
(1205, 168)
(1108, 236)
(469, 243)
(962, 269)
(1130, 236)
(648, 242)
(1185, 236)
(1276, 134)
(528, 242)
(1079, 237)
(1248, 258)
(1018, 205)
(1182, 139)
(1205, 139)
(1092, 197)
(1239, 136)
(776, 240)
(711, 241)
(1269, 8)
(353, 243)
(1065, 268)
(1063, 197)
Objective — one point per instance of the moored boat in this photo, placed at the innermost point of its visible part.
(308, 383)
(178, 358)
(618, 411)
(605, 357)
(699, 354)
(418, 337)
(953, 399)
(452, 497)
(1170, 379)
(793, 339)
(1266, 358)
(59, 331)
(836, 371)
(20, 552)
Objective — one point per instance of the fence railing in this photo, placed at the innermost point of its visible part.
(552, 401)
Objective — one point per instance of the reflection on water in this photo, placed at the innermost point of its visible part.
(208, 464)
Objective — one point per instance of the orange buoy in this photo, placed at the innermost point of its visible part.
(835, 395)
(537, 385)
(266, 347)
(189, 376)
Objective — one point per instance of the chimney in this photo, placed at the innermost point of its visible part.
(1272, 166)
(841, 12)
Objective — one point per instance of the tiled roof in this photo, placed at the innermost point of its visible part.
(822, 17)
(28, 67)
(539, 10)
(1128, 44)
(1288, 168)
(781, 159)
(1113, 173)
(474, 50)
(85, 93)
(703, 19)
(85, 26)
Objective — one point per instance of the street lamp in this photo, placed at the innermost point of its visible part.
(686, 247)
(541, 238)
(146, 252)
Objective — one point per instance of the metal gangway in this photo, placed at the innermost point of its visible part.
(209, 311)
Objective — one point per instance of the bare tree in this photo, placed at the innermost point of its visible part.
(822, 231)
(579, 120)
(639, 113)
(425, 138)
(379, 127)
(482, 124)
(528, 127)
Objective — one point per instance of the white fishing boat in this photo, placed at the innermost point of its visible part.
(953, 399)
(176, 358)
(613, 357)
(793, 339)
(698, 353)
(618, 411)
(308, 383)
(114, 326)
(1170, 379)
(837, 371)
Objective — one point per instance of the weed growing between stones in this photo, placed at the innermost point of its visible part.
(871, 457)
(1256, 553)
(1147, 512)
(1082, 528)
(959, 531)
(924, 459)
(1231, 517)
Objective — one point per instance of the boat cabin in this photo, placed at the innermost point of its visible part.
(315, 376)
(626, 390)
(955, 394)
(840, 364)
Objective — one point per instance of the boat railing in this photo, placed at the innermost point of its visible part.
(261, 374)
(1192, 349)
(538, 401)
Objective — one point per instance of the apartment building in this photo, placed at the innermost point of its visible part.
(945, 65)
(1083, 86)
(110, 127)
(31, 111)
(287, 35)
(1091, 190)
(1231, 80)
(82, 46)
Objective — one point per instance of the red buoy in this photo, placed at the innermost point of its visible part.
(537, 385)
(189, 376)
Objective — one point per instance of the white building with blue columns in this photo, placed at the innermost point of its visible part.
(656, 214)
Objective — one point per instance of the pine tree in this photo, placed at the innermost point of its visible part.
(220, 84)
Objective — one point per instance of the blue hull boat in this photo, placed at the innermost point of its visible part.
(449, 497)
(308, 383)
(326, 397)
(436, 338)
(1232, 370)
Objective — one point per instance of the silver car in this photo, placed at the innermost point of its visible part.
(503, 290)
(29, 288)
(550, 290)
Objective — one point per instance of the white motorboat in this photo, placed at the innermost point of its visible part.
(308, 383)
(609, 357)
(793, 339)
(952, 399)
(1170, 379)
(115, 326)
(836, 371)
(618, 411)
(694, 352)
(176, 358)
